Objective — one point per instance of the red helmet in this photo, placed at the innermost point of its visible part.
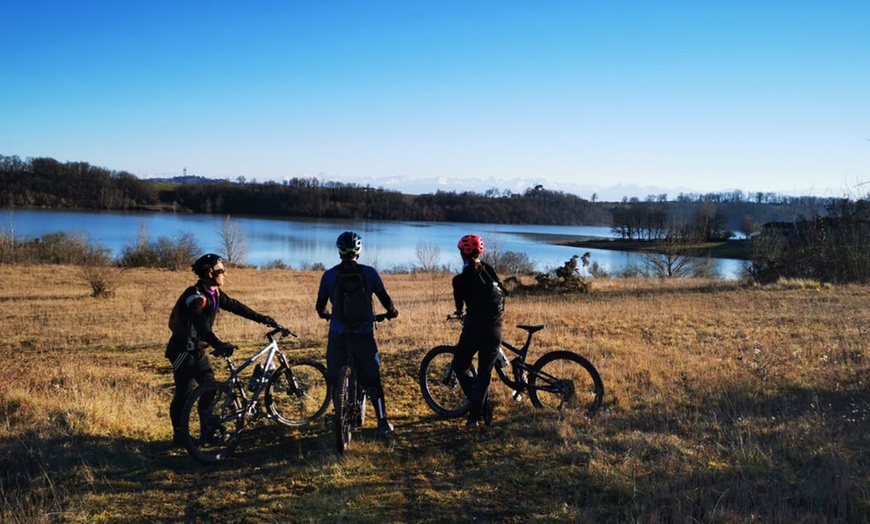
(471, 245)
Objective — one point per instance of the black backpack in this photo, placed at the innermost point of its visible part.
(353, 301)
(493, 297)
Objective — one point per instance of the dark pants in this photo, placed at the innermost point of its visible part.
(189, 369)
(485, 342)
(368, 363)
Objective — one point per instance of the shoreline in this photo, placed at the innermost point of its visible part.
(733, 249)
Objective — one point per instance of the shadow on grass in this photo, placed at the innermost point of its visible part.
(639, 465)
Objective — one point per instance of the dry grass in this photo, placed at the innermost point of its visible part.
(724, 404)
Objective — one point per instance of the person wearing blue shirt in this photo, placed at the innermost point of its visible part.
(359, 335)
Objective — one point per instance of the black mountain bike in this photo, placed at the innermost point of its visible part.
(292, 392)
(559, 380)
(349, 399)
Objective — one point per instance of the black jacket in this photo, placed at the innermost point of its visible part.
(481, 293)
(194, 314)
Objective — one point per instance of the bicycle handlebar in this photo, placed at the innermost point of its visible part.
(380, 317)
(280, 329)
(269, 336)
(453, 316)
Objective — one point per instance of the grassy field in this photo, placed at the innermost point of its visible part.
(723, 404)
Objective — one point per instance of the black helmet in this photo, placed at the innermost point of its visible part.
(205, 263)
(349, 244)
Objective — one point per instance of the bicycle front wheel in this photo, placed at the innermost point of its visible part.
(212, 420)
(299, 394)
(345, 393)
(563, 380)
(440, 385)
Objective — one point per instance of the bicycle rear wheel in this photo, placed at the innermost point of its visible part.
(212, 420)
(345, 398)
(299, 394)
(563, 380)
(440, 385)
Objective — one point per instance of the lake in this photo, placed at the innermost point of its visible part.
(299, 242)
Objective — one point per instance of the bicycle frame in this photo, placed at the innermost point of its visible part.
(271, 350)
(518, 363)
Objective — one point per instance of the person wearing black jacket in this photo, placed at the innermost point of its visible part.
(479, 290)
(191, 323)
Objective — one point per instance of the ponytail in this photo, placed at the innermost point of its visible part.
(474, 261)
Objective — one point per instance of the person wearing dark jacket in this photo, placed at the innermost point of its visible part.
(479, 291)
(191, 323)
(359, 335)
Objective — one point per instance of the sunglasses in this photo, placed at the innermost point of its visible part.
(217, 272)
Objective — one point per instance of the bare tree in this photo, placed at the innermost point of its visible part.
(428, 255)
(675, 257)
(748, 225)
(234, 242)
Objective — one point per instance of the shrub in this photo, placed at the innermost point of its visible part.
(164, 253)
(509, 262)
(53, 248)
(276, 264)
(103, 278)
(564, 279)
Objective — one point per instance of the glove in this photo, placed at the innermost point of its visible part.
(324, 315)
(393, 313)
(269, 321)
(224, 349)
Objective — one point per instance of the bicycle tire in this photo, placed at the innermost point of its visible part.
(440, 385)
(299, 394)
(563, 380)
(345, 391)
(213, 430)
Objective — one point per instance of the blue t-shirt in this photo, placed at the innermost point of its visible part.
(373, 284)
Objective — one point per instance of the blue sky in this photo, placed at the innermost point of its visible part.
(697, 95)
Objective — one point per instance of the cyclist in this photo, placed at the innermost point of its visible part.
(360, 336)
(191, 323)
(480, 291)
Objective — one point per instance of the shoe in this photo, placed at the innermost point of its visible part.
(385, 428)
(179, 439)
(486, 412)
(473, 424)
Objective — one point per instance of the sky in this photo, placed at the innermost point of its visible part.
(695, 96)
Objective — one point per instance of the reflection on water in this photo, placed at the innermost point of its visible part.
(302, 242)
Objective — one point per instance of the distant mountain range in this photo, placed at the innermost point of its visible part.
(411, 186)
(517, 185)
(420, 186)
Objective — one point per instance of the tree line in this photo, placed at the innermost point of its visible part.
(45, 182)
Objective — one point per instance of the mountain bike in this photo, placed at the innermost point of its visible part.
(292, 392)
(559, 380)
(350, 399)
